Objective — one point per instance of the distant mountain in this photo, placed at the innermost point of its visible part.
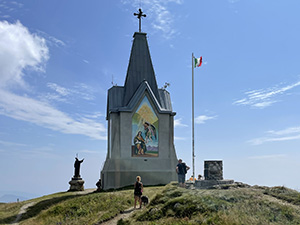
(12, 198)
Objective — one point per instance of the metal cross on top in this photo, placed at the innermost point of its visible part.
(139, 16)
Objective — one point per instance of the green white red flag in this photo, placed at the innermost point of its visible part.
(198, 62)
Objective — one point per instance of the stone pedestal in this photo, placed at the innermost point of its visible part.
(76, 184)
(213, 175)
(206, 184)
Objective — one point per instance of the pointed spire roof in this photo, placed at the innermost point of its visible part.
(140, 68)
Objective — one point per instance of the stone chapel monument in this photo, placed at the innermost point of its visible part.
(140, 125)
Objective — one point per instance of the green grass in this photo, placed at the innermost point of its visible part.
(89, 209)
(283, 193)
(92, 208)
(232, 206)
(9, 211)
(168, 205)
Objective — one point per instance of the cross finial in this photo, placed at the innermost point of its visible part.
(139, 16)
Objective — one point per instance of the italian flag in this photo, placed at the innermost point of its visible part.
(198, 62)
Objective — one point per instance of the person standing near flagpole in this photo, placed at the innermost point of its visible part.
(196, 62)
(181, 170)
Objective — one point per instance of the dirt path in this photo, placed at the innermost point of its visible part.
(22, 211)
(127, 213)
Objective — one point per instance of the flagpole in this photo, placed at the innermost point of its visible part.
(193, 133)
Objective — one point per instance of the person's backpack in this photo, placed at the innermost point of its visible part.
(184, 168)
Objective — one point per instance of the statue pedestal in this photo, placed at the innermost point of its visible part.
(76, 184)
(210, 184)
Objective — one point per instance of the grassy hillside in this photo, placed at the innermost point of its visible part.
(169, 205)
(256, 205)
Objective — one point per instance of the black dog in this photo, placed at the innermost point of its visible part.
(145, 200)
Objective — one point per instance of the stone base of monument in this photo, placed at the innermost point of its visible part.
(207, 184)
(213, 174)
(76, 184)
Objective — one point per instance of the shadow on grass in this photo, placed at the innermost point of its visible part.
(127, 211)
(8, 220)
(38, 207)
(45, 204)
(129, 187)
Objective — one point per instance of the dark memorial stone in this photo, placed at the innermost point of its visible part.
(213, 176)
(213, 170)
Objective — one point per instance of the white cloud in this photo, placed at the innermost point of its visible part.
(290, 130)
(60, 93)
(233, 1)
(7, 143)
(19, 50)
(264, 97)
(95, 115)
(60, 90)
(89, 151)
(51, 40)
(45, 115)
(179, 138)
(263, 104)
(63, 94)
(56, 41)
(84, 91)
(177, 123)
(264, 157)
(158, 12)
(40, 152)
(292, 133)
(203, 118)
(9, 7)
(6, 16)
(20, 5)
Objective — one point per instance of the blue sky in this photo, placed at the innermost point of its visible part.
(59, 58)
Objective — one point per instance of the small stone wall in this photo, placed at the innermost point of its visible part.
(207, 184)
(213, 170)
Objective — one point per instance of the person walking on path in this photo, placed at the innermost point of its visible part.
(181, 170)
(138, 190)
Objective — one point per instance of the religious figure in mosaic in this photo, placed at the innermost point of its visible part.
(145, 131)
(140, 146)
(150, 132)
